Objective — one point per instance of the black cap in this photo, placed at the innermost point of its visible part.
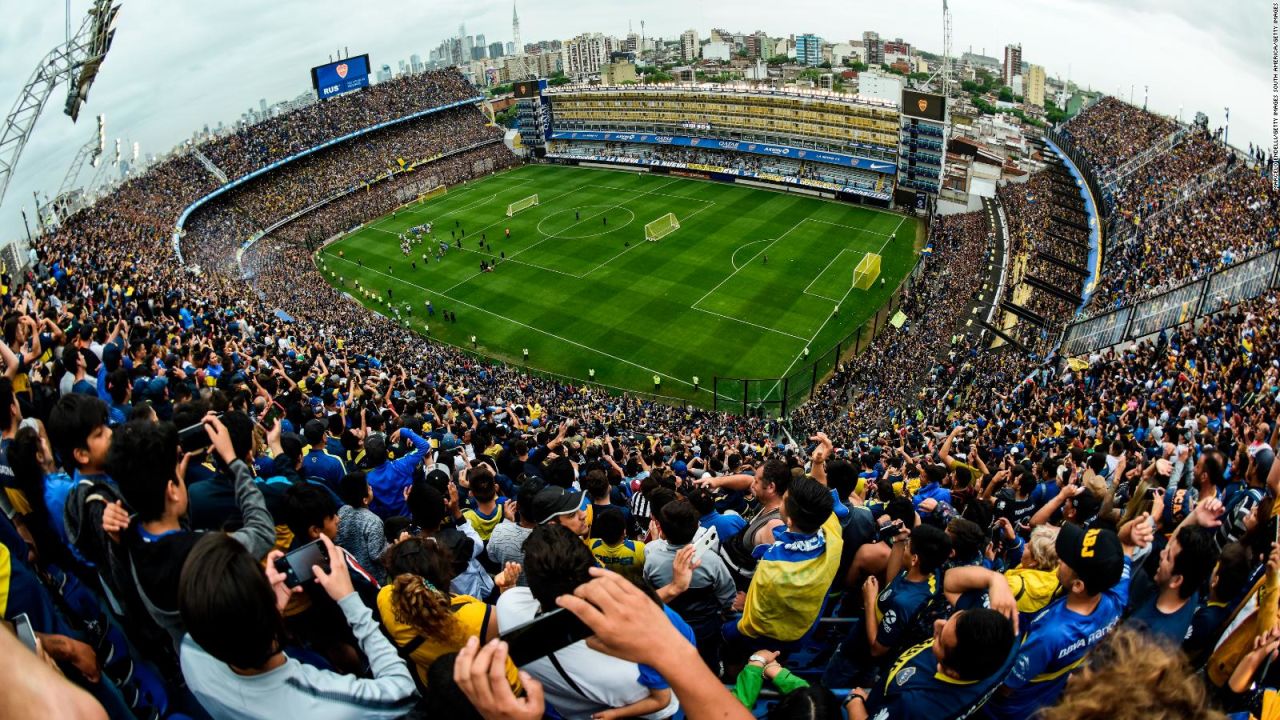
(314, 431)
(1094, 555)
(292, 444)
(552, 502)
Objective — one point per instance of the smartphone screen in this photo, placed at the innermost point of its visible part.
(194, 437)
(22, 626)
(544, 635)
(296, 566)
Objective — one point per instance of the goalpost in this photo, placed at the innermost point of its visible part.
(434, 192)
(661, 227)
(867, 271)
(519, 205)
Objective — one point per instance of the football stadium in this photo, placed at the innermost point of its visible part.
(753, 279)
(681, 373)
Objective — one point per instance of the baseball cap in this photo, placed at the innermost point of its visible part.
(552, 502)
(292, 444)
(1095, 555)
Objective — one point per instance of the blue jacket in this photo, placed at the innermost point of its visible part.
(320, 464)
(389, 479)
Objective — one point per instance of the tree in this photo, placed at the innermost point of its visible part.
(778, 60)
(500, 89)
(970, 86)
(825, 64)
(983, 106)
(506, 118)
(1006, 95)
(558, 81)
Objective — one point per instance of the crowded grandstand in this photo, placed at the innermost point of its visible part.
(232, 491)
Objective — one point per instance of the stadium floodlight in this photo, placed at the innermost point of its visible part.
(662, 227)
(102, 17)
(77, 62)
(523, 204)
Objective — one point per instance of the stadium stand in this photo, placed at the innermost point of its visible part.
(1044, 503)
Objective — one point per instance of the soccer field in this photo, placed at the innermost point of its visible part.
(747, 282)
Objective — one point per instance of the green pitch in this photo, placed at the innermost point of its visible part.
(749, 280)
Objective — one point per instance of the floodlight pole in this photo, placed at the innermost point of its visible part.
(76, 62)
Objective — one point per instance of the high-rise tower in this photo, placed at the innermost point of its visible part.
(515, 29)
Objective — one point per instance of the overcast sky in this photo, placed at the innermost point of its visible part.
(178, 65)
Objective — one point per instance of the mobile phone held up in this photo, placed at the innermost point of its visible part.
(296, 565)
(194, 438)
(544, 635)
(706, 539)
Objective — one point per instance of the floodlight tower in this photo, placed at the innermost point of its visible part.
(75, 62)
(90, 152)
(70, 196)
(944, 72)
(946, 48)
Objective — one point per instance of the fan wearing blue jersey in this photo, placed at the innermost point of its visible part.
(890, 615)
(946, 678)
(1094, 569)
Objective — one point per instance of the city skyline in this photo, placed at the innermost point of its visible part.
(152, 63)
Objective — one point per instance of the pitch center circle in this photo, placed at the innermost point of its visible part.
(565, 224)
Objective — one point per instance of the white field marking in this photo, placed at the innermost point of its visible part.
(748, 322)
(824, 322)
(584, 237)
(579, 222)
(735, 252)
(500, 261)
(506, 219)
(858, 229)
(670, 195)
(753, 257)
(633, 247)
(823, 271)
(777, 191)
(422, 207)
(526, 326)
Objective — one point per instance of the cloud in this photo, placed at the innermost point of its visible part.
(176, 66)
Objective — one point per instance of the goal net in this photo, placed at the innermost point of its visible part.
(867, 271)
(519, 205)
(434, 192)
(661, 227)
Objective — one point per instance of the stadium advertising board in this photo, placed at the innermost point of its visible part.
(926, 106)
(340, 77)
(783, 151)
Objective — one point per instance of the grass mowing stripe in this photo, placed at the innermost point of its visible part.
(624, 307)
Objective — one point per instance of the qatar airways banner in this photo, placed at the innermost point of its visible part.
(782, 151)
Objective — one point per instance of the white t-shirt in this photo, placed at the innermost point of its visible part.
(605, 681)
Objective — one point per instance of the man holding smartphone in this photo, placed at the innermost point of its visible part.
(146, 459)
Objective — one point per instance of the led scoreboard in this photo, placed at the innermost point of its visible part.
(340, 77)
